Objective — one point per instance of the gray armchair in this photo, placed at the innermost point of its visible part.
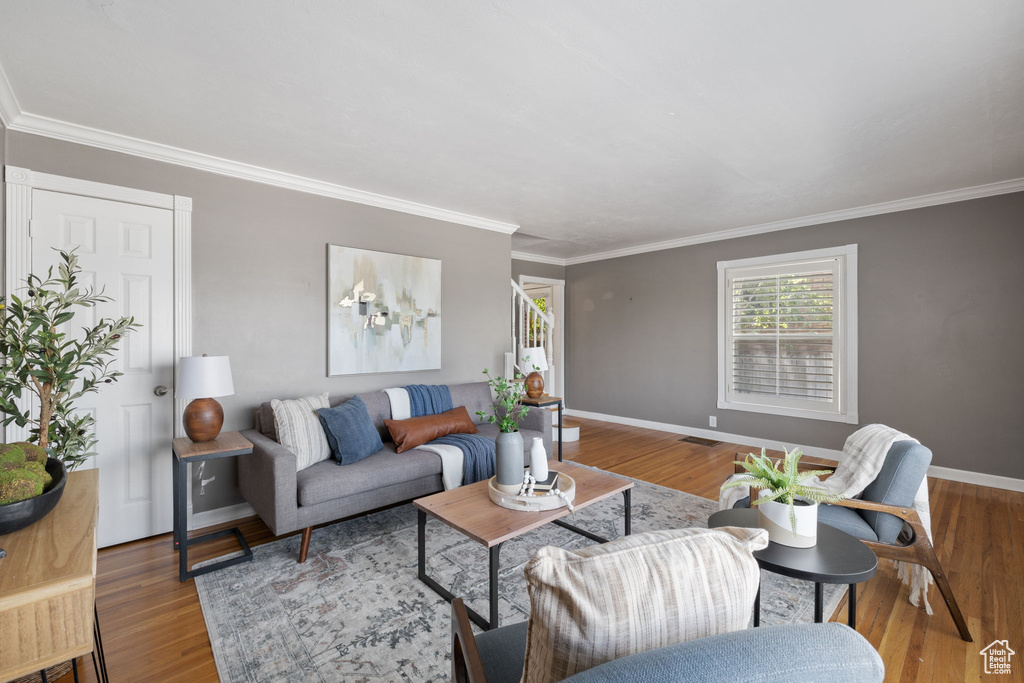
(800, 652)
(884, 509)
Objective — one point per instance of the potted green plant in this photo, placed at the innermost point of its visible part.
(787, 497)
(41, 357)
(507, 413)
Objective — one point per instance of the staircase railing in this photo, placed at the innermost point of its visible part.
(531, 328)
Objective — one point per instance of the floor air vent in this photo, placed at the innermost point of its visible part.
(699, 441)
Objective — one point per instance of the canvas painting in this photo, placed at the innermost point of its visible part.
(383, 312)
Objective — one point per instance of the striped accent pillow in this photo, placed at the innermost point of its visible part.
(636, 593)
(299, 430)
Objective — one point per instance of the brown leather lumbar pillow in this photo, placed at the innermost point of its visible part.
(417, 431)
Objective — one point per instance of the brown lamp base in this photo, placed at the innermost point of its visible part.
(534, 385)
(203, 419)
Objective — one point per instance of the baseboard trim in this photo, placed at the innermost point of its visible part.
(994, 481)
(231, 513)
(978, 478)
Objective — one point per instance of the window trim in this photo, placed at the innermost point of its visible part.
(845, 336)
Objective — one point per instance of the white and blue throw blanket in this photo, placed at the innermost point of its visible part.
(465, 458)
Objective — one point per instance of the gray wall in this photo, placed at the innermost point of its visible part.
(520, 267)
(259, 279)
(941, 324)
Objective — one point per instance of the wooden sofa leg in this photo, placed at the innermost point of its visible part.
(307, 533)
(931, 560)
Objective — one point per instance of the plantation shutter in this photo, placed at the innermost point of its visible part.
(782, 334)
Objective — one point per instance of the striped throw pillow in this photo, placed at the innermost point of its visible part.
(299, 430)
(634, 594)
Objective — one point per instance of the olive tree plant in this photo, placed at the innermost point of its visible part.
(40, 357)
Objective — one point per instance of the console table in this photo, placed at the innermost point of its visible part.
(48, 585)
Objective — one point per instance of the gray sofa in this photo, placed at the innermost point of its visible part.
(288, 500)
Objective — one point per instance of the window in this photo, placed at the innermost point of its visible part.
(787, 334)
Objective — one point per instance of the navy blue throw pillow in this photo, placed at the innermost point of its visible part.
(350, 431)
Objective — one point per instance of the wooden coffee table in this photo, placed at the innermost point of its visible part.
(469, 510)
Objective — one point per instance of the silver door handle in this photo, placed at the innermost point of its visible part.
(160, 390)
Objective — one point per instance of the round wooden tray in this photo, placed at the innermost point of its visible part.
(534, 503)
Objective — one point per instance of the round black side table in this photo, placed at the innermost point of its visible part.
(837, 558)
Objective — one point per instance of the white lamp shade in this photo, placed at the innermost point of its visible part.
(204, 377)
(532, 358)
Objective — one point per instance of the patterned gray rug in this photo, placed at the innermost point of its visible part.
(355, 611)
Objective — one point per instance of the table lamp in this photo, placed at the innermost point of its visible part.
(533, 358)
(201, 378)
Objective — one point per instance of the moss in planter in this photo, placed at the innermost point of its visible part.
(23, 472)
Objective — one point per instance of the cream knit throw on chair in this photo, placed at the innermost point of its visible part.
(863, 455)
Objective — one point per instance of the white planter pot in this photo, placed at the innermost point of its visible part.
(774, 517)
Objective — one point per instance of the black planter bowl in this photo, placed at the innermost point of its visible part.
(15, 516)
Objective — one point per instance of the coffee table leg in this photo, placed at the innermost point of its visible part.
(628, 496)
(495, 551)
(757, 607)
(817, 603)
(853, 606)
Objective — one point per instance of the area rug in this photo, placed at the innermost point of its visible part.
(355, 611)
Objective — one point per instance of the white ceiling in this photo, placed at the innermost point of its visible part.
(593, 126)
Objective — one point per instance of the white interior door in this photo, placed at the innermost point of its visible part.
(127, 251)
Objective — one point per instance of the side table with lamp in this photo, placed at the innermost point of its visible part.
(202, 378)
(536, 357)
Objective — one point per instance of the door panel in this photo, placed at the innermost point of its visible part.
(126, 251)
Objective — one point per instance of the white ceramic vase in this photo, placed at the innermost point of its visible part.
(538, 460)
(774, 517)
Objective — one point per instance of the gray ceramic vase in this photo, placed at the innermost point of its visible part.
(509, 461)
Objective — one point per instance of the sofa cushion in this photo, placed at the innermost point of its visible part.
(416, 431)
(476, 396)
(349, 431)
(824, 653)
(325, 481)
(299, 430)
(636, 593)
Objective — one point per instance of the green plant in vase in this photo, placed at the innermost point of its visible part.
(507, 412)
(782, 483)
(40, 357)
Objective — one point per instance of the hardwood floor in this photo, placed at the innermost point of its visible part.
(153, 627)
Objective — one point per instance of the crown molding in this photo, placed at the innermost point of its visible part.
(538, 258)
(9, 108)
(976, 192)
(17, 120)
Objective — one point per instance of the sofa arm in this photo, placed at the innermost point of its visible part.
(266, 479)
(539, 420)
(813, 652)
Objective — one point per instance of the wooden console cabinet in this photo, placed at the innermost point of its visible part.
(48, 583)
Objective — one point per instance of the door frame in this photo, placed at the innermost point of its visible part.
(18, 254)
(558, 291)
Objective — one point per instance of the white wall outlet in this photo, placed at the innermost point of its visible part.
(712, 421)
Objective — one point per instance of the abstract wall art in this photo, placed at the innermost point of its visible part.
(383, 312)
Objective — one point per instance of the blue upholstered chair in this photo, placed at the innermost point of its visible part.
(887, 506)
(767, 653)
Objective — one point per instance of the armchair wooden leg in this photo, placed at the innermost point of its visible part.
(930, 560)
(307, 533)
